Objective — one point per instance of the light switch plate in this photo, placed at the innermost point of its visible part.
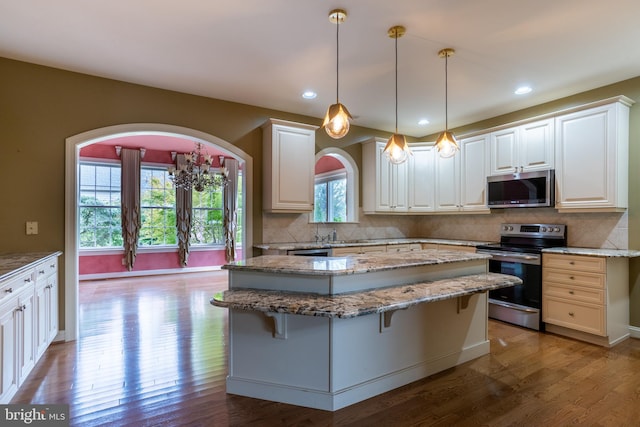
(32, 227)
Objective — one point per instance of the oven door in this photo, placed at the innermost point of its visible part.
(520, 304)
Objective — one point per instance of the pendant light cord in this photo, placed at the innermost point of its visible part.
(446, 91)
(337, 57)
(396, 37)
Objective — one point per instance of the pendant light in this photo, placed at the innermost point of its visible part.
(397, 150)
(336, 122)
(446, 143)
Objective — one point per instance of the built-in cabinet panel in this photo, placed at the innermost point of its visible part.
(288, 154)
(592, 154)
(524, 148)
(28, 322)
(448, 184)
(420, 178)
(474, 157)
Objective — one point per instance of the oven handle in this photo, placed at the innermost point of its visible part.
(515, 257)
(512, 306)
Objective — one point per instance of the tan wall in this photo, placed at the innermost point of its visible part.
(40, 107)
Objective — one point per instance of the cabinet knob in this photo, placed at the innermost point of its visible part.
(571, 313)
(572, 262)
(571, 292)
(572, 278)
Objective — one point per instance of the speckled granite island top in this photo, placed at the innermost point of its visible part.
(14, 263)
(352, 264)
(606, 253)
(361, 303)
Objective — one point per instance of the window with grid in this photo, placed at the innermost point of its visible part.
(99, 205)
(207, 226)
(330, 198)
(157, 208)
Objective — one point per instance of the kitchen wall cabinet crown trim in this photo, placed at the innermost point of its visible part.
(288, 155)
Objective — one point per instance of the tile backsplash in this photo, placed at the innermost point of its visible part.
(592, 230)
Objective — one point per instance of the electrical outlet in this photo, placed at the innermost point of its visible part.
(32, 227)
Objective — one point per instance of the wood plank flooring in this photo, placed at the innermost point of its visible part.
(153, 352)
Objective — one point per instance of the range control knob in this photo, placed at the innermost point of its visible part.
(557, 229)
(543, 229)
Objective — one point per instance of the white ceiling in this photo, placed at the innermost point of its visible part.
(266, 53)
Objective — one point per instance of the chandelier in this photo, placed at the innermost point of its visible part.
(195, 173)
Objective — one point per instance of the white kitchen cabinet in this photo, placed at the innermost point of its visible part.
(384, 183)
(461, 180)
(26, 319)
(523, 148)
(592, 155)
(474, 158)
(46, 304)
(420, 178)
(288, 154)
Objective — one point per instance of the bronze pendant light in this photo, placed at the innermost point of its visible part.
(397, 150)
(446, 143)
(336, 121)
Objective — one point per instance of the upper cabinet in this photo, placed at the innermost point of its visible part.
(592, 155)
(420, 176)
(288, 155)
(384, 184)
(524, 148)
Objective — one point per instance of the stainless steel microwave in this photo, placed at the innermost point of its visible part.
(521, 190)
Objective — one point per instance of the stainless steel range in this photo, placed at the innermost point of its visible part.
(519, 253)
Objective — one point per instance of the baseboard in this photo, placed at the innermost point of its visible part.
(319, 399)
(121, 274)
(634, 332)
(60, 337)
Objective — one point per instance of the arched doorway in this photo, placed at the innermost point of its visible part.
(72, 150)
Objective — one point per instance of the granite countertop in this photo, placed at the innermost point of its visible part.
(608, 253)
(15, 263)
(361, 303)
(352, 264)
(287, 246)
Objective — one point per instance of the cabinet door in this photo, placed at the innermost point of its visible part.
(587, 161)
(504, 151)
(42, 312)
(8, 372)
(474, 156)
(421, 173)
(52, 318)
(391, 183)
(447, 184)
(535, 146)
(25, 331)
(288, 167)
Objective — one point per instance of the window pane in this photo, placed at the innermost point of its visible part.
(320, 207)
(158, 206)
(99, 205)
(338, 200)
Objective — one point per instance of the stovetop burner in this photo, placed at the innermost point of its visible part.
(529, 238)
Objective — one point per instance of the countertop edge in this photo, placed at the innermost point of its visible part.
(34, 258)
(594, 252)
(362, 303)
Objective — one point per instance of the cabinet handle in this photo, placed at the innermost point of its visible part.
(21, 308)
(571, 292)
(52, 266)
(9, 290)
(572, 262)
(41, 272)
(571, 313)
(49, 286)
(572, 278)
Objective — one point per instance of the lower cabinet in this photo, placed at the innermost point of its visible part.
(446, 247)
(28, 323)
(586, 297)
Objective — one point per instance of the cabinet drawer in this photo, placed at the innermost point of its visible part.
(594, 296)
(457, 248)
(575, 262)
(16, 284)
(350, 250)
(372, 249)
(46, 268)
(579, 316)
(404, 248)
(573, 278)
(429, 246)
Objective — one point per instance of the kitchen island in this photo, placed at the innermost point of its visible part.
(329, 332)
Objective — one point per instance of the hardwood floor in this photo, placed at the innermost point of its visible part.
(152, 352)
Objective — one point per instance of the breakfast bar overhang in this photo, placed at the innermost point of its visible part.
(329, 332)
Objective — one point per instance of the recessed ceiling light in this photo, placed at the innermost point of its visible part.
(522, 90)
(423, 122)
(309, 94)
